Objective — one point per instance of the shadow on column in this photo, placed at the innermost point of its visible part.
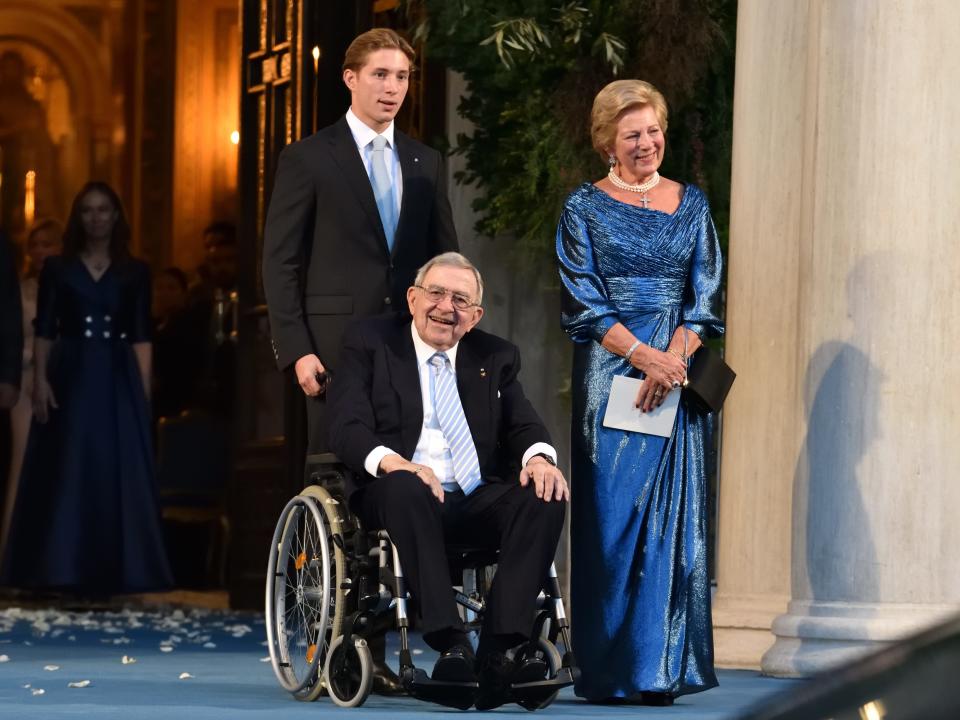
(842, 387)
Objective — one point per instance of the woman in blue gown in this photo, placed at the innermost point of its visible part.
(641, 270)
(87, 517)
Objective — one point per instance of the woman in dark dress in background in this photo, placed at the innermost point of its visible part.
(87, 518)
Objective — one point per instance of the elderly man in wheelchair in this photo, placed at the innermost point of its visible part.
(447, 458)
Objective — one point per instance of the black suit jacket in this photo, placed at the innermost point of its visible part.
(11, 317)
(376, 398)
(325, 256)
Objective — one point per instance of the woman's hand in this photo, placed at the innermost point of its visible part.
(43, 400)
(664, 372)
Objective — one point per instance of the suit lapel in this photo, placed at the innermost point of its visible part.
(345, 155)
(472, 383)
(411, 168)
(405, 380)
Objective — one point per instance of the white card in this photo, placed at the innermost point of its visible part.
(622, 414)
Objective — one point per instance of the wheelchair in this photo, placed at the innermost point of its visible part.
(331, 584)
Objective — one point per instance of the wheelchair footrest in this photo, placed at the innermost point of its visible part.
(537, 694)
(460, 695)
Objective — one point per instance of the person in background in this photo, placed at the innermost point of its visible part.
(87, 515)
(43, 240)
(177, 340)
(641, 271)
(210, 310)
(11, 348)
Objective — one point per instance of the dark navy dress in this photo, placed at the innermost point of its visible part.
(87, 517)
(640, 591)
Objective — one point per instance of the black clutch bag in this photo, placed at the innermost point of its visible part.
(708, 380)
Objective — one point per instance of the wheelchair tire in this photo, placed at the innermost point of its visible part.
(348, 673)
(554, 662)
(338, 520)
(298, 596)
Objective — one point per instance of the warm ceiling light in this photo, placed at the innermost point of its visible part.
(235, 137)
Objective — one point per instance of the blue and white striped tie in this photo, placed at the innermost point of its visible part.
(466, 466)
(383, 189)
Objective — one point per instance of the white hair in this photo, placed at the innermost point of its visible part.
(451, 259)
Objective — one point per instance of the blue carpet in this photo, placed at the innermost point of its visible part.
(223, 654)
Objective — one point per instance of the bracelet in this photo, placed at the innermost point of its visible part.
(677, 353)
(636, 344)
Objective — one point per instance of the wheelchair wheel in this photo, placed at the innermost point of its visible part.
(338, 522)
(348, 673)
(554, 662)
(298, 596)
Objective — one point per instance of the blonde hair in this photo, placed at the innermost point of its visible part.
(614, 100)
(371, 41)
(455, 260)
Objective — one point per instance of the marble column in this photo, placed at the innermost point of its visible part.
(756, 477)
(853, 434)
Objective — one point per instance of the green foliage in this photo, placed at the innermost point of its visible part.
(532, 69)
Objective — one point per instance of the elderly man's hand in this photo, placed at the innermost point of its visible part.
(392, 463)
(548, 481)
(9, 394)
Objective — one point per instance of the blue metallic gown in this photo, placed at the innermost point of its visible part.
(640, 588)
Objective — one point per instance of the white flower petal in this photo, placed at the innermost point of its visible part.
(265, 659)
(79, 684)
(166, 648)
(51, 668)
(4, 658)
(127, 660)
(209, 645)
(37, 691)
(185, 676)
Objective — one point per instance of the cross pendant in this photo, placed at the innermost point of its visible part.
(645, 200)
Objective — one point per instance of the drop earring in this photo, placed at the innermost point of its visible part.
(612, 161)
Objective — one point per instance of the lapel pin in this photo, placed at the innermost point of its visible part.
(416, 159)
(483, 373)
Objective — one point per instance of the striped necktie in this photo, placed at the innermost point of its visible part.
(466, 466)
(383, 189)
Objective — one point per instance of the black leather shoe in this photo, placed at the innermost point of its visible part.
(385, 680)
(656, 699)
(455, 665)
(494, 677)
(529, 668)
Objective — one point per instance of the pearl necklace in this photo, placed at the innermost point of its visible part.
(638, 187)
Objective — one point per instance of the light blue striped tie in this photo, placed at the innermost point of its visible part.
(383, 189)
(466, 466)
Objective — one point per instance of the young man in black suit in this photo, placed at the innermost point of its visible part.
(433, 420)
(356, 209)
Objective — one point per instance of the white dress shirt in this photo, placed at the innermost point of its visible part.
(363, 136)
(432, 448)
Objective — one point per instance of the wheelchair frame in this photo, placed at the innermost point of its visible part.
(331, 584)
